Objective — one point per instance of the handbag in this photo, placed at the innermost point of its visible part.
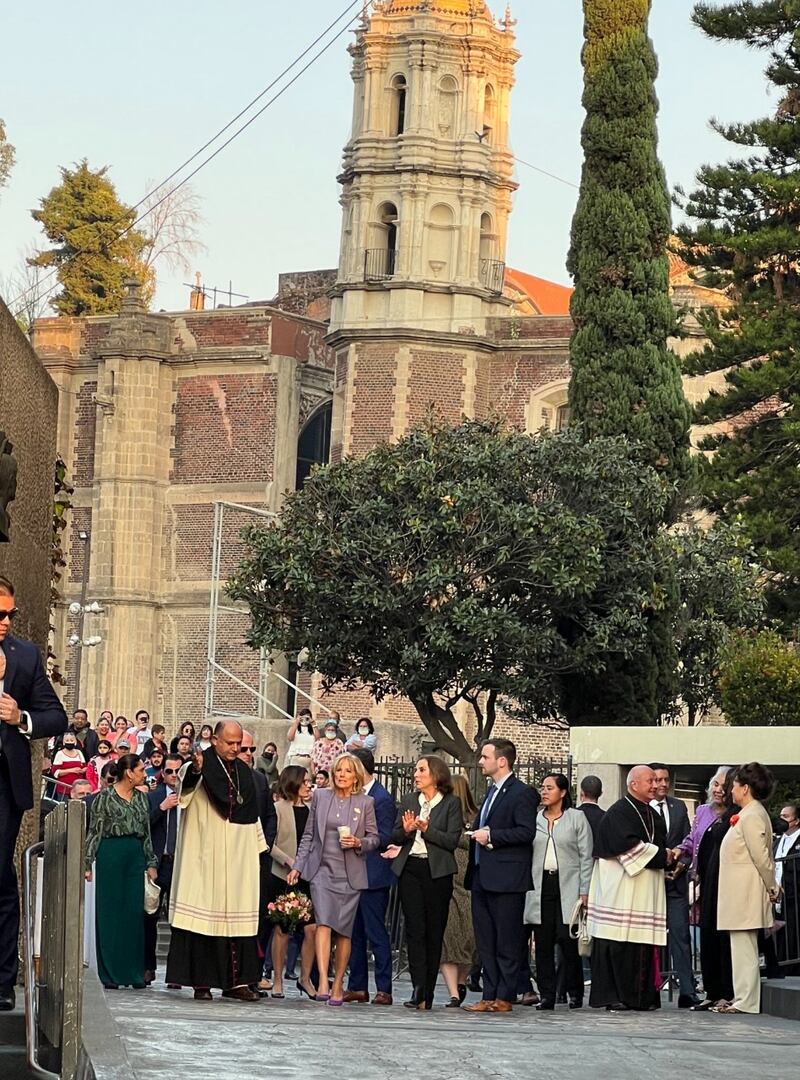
(152, 896)
(579, 929)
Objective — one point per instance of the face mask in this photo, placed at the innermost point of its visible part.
(363, 731)
(330, 734)
(269, 754)
(69, 745)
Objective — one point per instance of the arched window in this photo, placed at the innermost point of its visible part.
(399, 102)
(487, 237)
(314, 442)
(380, 260)
(491, 270)
(489, 109)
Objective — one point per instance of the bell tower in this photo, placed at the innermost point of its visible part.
(427, 185)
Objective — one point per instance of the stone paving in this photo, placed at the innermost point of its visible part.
(166, 1034)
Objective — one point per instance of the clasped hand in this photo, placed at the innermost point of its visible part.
(9, 710)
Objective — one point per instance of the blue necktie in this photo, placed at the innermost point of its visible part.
(487, 804)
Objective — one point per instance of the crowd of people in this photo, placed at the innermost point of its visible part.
(483, 888)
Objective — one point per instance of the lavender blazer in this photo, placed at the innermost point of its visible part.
(704, 818)
(362, 824)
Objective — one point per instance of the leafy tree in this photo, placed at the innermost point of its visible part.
(459, 565)
(721, 592)
(745, 238)
(760, 680)
(96, 247)
(624, 378)
(7, 155)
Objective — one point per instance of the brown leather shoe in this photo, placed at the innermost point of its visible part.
(356, 995)
(382, 998)
(479, 1007)
(530, 997)
(500, 1006)
(241, 993)
(203, 995)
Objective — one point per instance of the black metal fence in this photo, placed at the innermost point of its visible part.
(787, 936)
(398, 776)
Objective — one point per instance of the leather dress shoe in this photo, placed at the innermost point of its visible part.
(241, 993)
(500, 1006)
(382, 998)
(545, 1005)
(479, 1007)
(576, 1002)
(203, 994)
(8, 999)
(530, 997)
(688, 1001)
(356, 995)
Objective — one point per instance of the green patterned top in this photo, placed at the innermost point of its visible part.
(111, 815)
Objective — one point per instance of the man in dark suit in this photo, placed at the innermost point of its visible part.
(29, 709)
(591, 790)
(269, 825)
(676, 819)
(499, 874)
(164, 814)
(370, 925)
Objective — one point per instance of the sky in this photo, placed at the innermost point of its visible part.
(140, 87)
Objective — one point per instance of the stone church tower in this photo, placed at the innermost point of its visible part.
(427, 185)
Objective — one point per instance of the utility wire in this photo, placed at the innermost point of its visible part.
(213, 139)
(544, 172)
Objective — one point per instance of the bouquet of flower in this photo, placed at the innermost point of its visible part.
(290, 911)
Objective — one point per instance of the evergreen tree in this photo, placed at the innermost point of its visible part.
(96, 247)
(625, 380)
(746, 240)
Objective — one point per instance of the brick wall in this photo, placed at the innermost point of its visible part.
(436, 379)
(80, 520)
(515, 374)
(374, 388)
(192, 526)
(225, 429)
(85, 430)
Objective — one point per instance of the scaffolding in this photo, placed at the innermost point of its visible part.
(224, 553)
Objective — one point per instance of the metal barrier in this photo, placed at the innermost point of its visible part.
(54, 991)
(398, 776)
(787, 939)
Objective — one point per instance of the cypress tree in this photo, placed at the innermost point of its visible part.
(745, 239)
(625, 380)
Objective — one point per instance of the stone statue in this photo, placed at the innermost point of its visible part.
(8, 486)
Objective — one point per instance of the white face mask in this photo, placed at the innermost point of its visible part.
(363, 731)
(330, 734)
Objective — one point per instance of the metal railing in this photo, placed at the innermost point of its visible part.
(54, 988)
(380, 263)
(493, 275)
(787, 938)
(398, 776)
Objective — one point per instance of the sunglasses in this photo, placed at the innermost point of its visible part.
(170, 772)
(248, 749)
(12, 614)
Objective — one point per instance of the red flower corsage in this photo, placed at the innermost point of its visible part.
(734, 819)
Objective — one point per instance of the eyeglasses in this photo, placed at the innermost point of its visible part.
(248, 749)
(170, 772)
(12, 614)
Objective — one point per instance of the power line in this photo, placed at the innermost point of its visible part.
(544, 172)
(222, 130)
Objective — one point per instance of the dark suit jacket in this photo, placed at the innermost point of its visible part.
(441, 836)
(679, 829)
(164, 833)
(379, 870)
(266, 809)
(26, 681)
(506, 866)
(594, 815)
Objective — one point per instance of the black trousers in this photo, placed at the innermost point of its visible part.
(426, 906)
(497, 919)
(164, 881)
(10, 821)
(551, 930)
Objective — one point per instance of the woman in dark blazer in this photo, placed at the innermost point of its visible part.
(341, 829)
(428, 826)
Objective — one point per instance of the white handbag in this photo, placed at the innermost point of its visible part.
(579, 930)
(152, 896)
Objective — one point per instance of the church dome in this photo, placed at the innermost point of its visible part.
(469, 8)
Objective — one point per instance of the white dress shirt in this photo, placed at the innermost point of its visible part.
(784, 845)
(661, 808)
(419, 848)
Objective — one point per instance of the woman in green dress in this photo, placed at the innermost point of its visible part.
(118, 843)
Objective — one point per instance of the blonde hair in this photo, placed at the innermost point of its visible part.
(463, 792)
(358, 769)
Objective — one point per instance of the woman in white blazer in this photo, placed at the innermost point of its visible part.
(747, 886)
(562, 870)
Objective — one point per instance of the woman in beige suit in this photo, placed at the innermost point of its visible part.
(747, 887)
